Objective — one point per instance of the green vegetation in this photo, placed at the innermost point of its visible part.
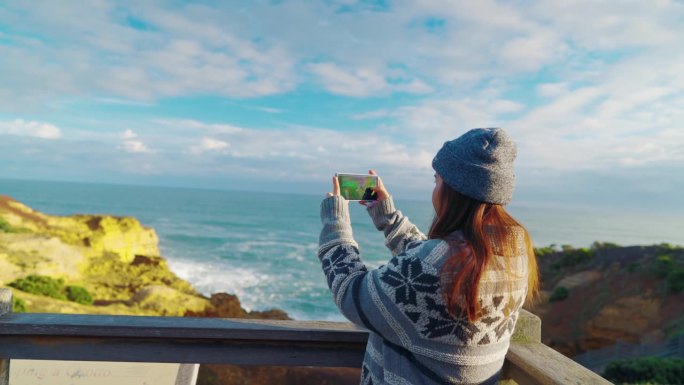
(559, 294)
(604, 245)
(632, 267)
(79, 294)
(53, 288)
(541, 252)
(675, 280)
(664, 264)
(666, 247)
(573, 257)
(41, 285)
(666, 267)
(5, 227)
(18, 305)
(646, 369)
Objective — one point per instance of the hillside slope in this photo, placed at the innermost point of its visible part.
(629, 294)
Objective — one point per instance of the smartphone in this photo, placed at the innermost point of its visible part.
(358, 187)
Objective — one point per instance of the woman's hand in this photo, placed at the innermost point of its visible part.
(336, 188)
(380, 191)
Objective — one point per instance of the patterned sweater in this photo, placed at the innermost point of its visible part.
(413, 339)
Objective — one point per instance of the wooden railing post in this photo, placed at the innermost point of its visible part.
(530, 362)
(528, 328)
(5, 307)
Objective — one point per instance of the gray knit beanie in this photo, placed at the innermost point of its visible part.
(479, 164)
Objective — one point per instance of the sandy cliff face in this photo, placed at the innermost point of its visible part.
(614, 294)
(115, 258)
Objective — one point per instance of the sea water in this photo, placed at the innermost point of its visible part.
(262, 246)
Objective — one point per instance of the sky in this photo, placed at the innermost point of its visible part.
(280, 95)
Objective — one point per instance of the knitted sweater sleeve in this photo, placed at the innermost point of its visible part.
(351, 283)
(399, 231)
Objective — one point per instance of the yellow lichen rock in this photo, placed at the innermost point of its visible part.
(122, 236)
(38, 254)
(115, 258)
(168, 301)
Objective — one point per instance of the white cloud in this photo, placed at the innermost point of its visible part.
(604, 95)
(270, 110)
(129, 134)
(136, 147)
(254, 50)
(209, 145)
(30, 128)
(363, 82)
(130, 144)
(360, 82)
(552, 89)
(195, 125)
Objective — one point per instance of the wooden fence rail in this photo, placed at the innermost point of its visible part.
(239, 342)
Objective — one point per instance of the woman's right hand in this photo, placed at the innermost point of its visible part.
(380, 190)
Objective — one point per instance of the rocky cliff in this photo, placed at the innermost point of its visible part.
(117, 260)
(597, 296)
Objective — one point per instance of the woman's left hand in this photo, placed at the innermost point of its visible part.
(336, 188)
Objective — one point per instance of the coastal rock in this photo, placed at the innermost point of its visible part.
(38, 254)
(624, 294)
(167, 301)
(118, 261)
(579, 279)
(98, 234)
(627, 320)
(115, 258)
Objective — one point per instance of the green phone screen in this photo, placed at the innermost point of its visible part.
(356, 187)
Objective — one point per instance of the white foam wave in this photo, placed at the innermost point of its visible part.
(211, 278)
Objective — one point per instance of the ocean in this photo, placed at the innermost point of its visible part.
(262, 246)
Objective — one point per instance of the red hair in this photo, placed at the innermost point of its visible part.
(488, 230)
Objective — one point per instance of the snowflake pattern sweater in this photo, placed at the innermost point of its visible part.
(413, 339)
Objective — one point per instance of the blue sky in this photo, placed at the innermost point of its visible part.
(279, 95)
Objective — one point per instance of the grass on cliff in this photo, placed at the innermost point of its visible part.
(53, 288)
(652, 370)
(5, 227)
(671, 269)
(18, 305)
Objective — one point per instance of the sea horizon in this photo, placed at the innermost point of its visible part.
(262, 246)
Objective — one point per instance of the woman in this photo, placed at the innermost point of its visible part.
(442, 310)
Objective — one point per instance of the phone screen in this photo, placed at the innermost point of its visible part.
(358, 187)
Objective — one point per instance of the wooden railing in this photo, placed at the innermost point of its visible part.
(240, 342)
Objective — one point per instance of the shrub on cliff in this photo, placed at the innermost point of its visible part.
(646, 369)
(53, 288)
(675, 280)
(541, 252)
(664, 264)
(604, 245)
(78, 294)
(573, 257)
(41, 285)
(560, 294)
(5, 227)
(18, 305)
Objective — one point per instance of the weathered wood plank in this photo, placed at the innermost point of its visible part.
(242, 342)
(288, 353)
(5, 308)
(537, 364)
(527, 328)
(187, 374)
(177, 327)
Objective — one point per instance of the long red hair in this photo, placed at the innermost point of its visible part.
(489, 230)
